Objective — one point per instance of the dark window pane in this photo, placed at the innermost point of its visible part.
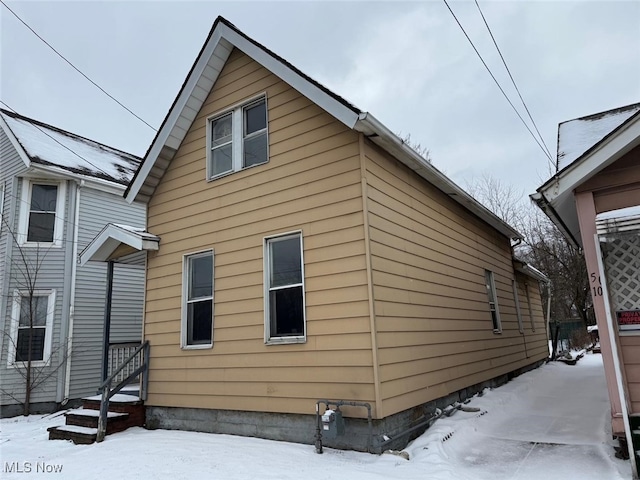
(255, 117)
(221, 160)
(35, 306)
(286, 265)
(37, 344)
(43, 197)
(199, 322)
(287, 316)
(200, 276)
(221, 130)
(41, 227)
(255, 150)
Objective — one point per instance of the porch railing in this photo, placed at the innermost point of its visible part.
(140, 355)
(118, 353)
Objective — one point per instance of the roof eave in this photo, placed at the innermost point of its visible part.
(390, 142)
(102, 247)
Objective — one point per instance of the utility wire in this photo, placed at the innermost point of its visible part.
(512, 80)
(76, 68)
(497, 83)
(60, 143)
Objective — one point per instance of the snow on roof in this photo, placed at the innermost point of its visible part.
(577, 136)
(49, 145)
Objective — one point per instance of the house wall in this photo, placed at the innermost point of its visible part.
(96, 209)
(434, 328)
(311, 183)
(49, 267)
(615, 187)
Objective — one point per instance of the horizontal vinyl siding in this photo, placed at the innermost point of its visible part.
(428, 255)
(311, 183)
(47, 266)
(98, 208)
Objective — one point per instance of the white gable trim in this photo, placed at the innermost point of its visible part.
(16, 144)
(606, 153)
(111, 237)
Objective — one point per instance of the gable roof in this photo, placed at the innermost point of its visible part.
(115, 241)
(603, 139)
(222, 39)
(49, 146)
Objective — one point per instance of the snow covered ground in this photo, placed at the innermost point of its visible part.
(549, 423)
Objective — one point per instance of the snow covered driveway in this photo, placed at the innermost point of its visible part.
(549, 423)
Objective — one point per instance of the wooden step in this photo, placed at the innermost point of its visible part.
(116, 421)
(78, 435)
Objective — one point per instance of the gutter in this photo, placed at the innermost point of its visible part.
(375, 131)
(72, 302)
(544, 205)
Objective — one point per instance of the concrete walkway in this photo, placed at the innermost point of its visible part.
(553, 422)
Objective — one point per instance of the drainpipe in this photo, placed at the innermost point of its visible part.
(616, 361)
(74, 270)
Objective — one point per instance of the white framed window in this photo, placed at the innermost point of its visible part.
(31, 327)
(516, 300)
(41, 213)
(526, 291)
(237, 138)
(284, 296)
(493, 301)
(197, 300)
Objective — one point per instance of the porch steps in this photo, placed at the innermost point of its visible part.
(82, 424)
(634, 422)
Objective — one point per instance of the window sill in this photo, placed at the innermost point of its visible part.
(231, 172)
(40, 244)
(197, 347)
(34, 364)
(285, 340)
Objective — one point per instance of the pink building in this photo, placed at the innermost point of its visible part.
(594, 199)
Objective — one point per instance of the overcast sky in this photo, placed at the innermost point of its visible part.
(408, 64)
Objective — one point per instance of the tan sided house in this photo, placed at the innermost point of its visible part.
(306, 253)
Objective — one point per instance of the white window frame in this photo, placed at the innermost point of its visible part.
(268, 339)
(25, 209)
(15, 325)
(185, 300)
(526, 291)
(516, 300)
(494, 309)
(237, 136)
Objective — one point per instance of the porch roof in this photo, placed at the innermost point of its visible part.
(118, 241)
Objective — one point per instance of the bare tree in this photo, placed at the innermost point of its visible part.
(543, 246)
(424, 152)
(29, 363)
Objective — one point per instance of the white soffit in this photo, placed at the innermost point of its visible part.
(111, 237)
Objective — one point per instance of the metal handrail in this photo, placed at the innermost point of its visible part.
(108, 392)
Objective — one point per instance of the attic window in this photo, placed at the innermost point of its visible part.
(237, 138)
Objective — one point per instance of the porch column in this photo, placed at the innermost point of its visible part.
(107, 321)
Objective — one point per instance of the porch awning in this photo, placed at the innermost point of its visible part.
(618, 221)
(117, 241)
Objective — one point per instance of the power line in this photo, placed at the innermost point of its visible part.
(513, 80)
(76, 68)
(497, 83)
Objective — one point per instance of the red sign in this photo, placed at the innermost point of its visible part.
(628, 317)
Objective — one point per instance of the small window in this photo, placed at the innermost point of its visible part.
(526, 291)
(42, 213)
(197, 313)
(284, 295)
(516, 300)
(237, 139)
(493, 301)
(32, 323)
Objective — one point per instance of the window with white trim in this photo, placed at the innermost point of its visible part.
(284, 289)
(237, 138)
(42, 213)
(493, 301)
(32, 323)
(526, 291)
(197, 300)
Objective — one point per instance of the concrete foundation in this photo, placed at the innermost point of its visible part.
(302, 428)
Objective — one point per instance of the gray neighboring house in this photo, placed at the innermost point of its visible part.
(57, 192)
